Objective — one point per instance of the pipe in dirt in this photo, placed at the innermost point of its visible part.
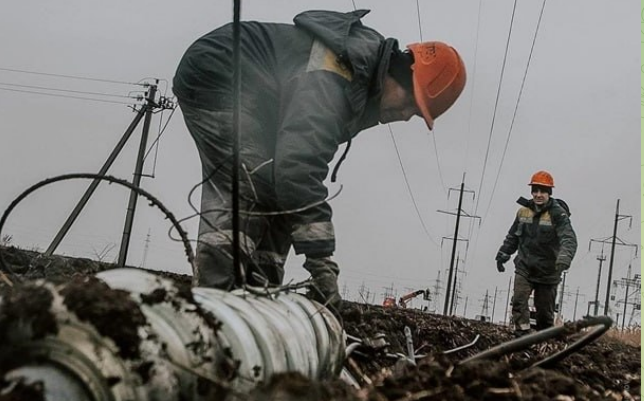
(132, 335)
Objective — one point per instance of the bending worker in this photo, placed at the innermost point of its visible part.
(546, 244)
(305, 89)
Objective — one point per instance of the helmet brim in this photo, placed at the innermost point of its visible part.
(420, 103)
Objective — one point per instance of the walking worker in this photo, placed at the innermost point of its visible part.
(306, 88)
(545, 242)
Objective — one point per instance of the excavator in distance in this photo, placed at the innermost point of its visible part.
(390, 302)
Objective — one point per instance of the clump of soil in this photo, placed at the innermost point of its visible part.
(113, 312)
(294, 386)
(28, 307)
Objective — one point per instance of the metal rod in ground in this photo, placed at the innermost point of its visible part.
(92, 187)
(136, 180)
(236, 138)
(410, 345)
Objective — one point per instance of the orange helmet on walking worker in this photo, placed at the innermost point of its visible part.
(542, 178)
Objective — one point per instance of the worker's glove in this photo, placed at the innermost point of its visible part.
(501, 258)
(561, 267)
(324, 287)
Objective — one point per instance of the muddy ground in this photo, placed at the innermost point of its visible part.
(605, 370)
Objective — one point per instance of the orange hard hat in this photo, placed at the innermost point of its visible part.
(439, 78)
(542, 178)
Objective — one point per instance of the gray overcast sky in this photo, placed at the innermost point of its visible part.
(577, 118)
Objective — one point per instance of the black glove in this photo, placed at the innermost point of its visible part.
(324, 289)
(501, 258)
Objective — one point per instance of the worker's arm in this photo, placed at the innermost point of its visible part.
(510, 243)
(566, 237)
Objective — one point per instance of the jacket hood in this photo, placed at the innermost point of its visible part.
(331, 27)
(363, 49)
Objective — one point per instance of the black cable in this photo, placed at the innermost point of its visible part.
(420, 27)
(69, 90)
(158, 138)
(496, 103)
(438, 162)
(411, 194)
(68, 96)
(516, 107)
(69, 76)
(153, 200)
(473, 86)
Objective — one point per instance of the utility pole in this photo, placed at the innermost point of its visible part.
(136, 181)
(451, 306)
(361, 292)
(485, 309)
(389, 293)
(561, 296)
(629, 283)
(446, 305)
(493, 305)
(507, 302)
(146, 248)
(144, 113)
(574, 312)
(437, 288)
(601, 260)
(465, 308)
(345, 291)
(614, 241)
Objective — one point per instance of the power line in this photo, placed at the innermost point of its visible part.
(70, 76)
(70, 91)
(438, 163)
(496, 103)
(516, 107)
(420, 26)
(66, 96)
(402, 167)
(476, 50)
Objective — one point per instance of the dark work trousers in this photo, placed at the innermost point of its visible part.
(544, 303)
(264, 238)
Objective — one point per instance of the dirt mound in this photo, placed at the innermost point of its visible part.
(605, 370)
